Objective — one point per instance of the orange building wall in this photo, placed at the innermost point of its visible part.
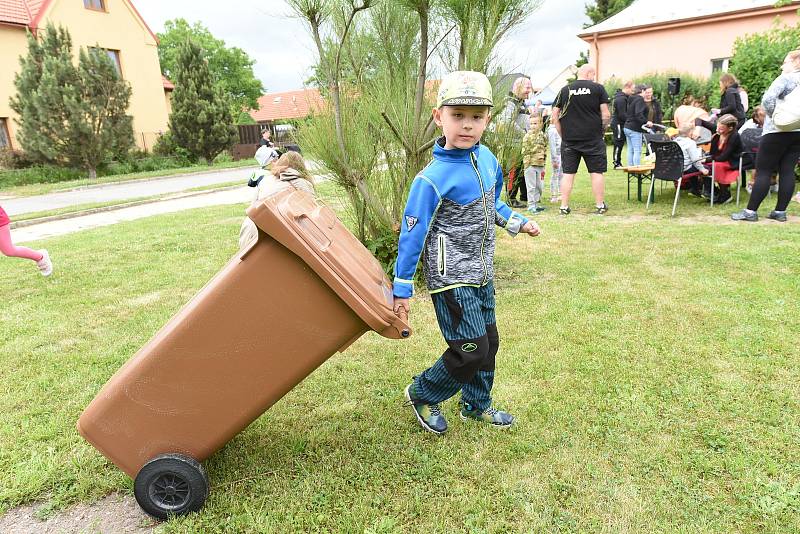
(687, 49)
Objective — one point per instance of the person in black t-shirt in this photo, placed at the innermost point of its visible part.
(581, 115)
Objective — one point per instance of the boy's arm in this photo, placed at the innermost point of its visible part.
(423, 201)
(505, 216)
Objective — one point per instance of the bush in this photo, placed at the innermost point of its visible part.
(223, 157)
(39, 174)
(706, 89)
(166, 146)
(757, 58)
(13, 159)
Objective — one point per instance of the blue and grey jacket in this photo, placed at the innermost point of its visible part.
(452, 208)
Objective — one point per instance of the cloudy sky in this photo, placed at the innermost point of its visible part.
(284, 51)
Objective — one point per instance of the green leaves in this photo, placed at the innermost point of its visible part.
(230, 67)
(201, 120)
(68, 114)
(757, 58)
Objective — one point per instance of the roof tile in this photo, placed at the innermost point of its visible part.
(288, 105)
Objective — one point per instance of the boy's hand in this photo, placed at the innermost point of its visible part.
(530, 228)
(705, 172)
(402, 307)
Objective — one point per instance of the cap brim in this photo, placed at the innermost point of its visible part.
(467, 101)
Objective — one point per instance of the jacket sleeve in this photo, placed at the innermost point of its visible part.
(728, 103)
(658, 116)
(778, 89)
(505, 217)
(423, 202)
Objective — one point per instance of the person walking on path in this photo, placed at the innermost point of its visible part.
(452, 208)
(581, 115)
(7, 247)
(618, 117)
(777, 149)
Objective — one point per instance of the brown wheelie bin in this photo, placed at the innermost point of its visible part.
(305, 289)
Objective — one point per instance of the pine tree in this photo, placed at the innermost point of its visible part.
(201, 120)
(600, 10)
(67, 114)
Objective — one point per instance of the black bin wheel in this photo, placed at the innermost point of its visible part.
(170, 485)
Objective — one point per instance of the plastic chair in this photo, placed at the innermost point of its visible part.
(669, 167)
(750, 141)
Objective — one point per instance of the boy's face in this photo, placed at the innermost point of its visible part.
(536, 123)
(462, 126)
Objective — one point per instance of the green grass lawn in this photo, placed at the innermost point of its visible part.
(652, 363)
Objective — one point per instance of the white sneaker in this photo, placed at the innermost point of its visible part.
(45, 265)
(773, 188)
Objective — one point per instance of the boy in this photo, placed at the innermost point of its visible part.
(451, 211)
(534, 157)
(692, 157)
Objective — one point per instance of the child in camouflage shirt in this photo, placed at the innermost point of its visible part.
(534, 158)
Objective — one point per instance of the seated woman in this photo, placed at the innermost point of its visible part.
(756, 120)
(726, 149)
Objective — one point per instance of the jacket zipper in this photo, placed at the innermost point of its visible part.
(442, 257)
(472, 160)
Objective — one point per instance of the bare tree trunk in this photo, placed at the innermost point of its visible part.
(423, 11)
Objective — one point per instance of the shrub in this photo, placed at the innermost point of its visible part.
(39, 174)
(757, 58)
(704, 88)
(13, 159)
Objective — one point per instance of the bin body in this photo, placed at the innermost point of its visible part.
(257, 329)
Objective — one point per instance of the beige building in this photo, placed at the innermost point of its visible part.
(113, 25)
(692, 36)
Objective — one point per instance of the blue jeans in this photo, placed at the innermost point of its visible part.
(634, 146)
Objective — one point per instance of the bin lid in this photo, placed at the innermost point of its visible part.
(313, 232)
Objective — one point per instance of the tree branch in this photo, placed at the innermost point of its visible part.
(396, 133)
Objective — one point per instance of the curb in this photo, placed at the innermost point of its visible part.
(91, 211)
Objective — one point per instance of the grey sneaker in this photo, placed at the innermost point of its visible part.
(744, 215)
(430, 416)
(779, 216)
(493, 416)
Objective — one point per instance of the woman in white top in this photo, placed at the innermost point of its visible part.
(778, 150)
(288, 172)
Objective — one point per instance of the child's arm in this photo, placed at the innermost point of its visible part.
(423, 201)
(512, 221)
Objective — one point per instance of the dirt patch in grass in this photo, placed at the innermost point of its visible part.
(115, 514)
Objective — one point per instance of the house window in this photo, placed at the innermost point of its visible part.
(113, 55)
(720, 65)
(5, 138)
(96, 5)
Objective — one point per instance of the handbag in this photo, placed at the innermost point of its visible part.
(786, 116)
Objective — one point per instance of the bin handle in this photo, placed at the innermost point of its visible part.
(405, 332)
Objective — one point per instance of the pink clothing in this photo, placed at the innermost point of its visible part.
(723, 172)
(8, 248)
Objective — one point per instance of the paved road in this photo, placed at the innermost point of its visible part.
(239, 195)
(122, 191)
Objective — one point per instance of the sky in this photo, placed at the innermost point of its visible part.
(284, 51)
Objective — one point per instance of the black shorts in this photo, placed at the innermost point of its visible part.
(592, 152)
